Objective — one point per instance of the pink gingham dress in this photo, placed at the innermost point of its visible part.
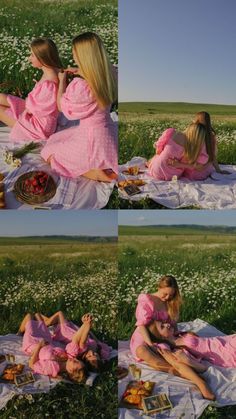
(167, 149)
(36, 116)
(90, 145)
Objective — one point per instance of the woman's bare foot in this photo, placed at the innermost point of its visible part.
(206, 392)
(101, 175)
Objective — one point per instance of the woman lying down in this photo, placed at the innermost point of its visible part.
(71, 349)
(184, 353)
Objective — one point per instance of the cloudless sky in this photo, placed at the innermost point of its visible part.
(166, 217)
(177, 51)
(30, 223)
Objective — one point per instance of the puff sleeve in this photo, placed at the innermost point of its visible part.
(77, 102)
(160, 144)
(42, 100)
(144, 311)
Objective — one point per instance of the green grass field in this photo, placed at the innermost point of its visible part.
(21, 22)
(142, 123)
(75, 277)
(204, 264)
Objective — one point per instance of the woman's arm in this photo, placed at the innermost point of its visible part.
(186, 359)
(180, 165)
(218, 169)
(61, 88)
(145, 334)
(80, 337)
(35, 355)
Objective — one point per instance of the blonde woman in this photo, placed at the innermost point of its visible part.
(161, 309)
(36, 117)
(162, 305)
(211, 148)
(90, 148)
(178, 151)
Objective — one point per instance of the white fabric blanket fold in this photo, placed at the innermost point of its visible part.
(185, 397)
(11, 344)
(216, 192)
(78, 193)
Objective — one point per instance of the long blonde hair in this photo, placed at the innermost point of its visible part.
(95, 67)
(173, 306)
(195, 134)
(46, 52)
(205, 119)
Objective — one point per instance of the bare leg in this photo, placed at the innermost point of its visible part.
(182, 357)
(100, 175)
(3, 100)
(57, 317)
(80, 336)
(39, 317)
(187, 372)
(23, 323)
(155, 360)
(6, 119)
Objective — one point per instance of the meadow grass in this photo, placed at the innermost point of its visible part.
(141, 124)
(75, 277)
(205, 267)
(21, 22)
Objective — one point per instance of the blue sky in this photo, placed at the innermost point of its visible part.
(177, 51)
(166, 217)
(91, 223)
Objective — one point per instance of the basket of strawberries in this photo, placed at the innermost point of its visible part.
(34, 187)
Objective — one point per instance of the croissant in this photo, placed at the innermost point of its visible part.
(8, 376)
(133, 399)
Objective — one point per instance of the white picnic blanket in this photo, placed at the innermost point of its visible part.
(216, 192)
(78, 193)
(11, 344)
(186, 398)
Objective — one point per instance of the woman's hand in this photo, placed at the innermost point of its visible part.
(224, 172)
(87, 318)
(72, 70)
(181, 356)
(62, 76)
(42, 343)
(174, 163)
(199, 167)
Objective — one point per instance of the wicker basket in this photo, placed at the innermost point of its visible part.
(31, 198)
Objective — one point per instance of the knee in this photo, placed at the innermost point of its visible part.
(3, 98)
(28, 317)
(140, 352)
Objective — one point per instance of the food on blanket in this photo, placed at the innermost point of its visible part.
(133, 399)
(36, 184)
(137, 182)
(34, 187)
(148, 385)
(121, 372)
(132, 170)
(11, 371)
(1, 177)
(135, 392)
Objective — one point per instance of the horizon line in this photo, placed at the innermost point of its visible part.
(166, 101)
